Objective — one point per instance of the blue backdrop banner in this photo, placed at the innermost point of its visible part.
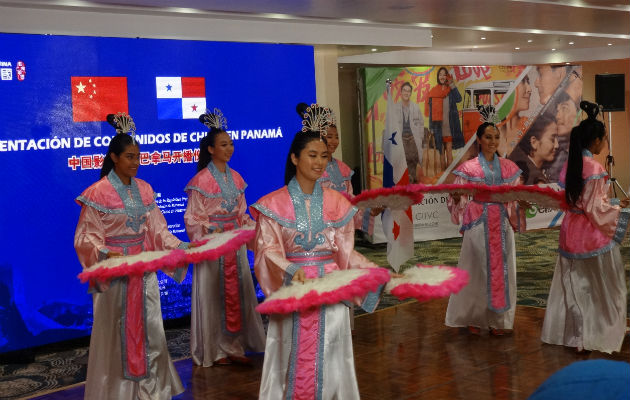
(55, 92)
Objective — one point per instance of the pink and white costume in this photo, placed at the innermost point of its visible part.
(587, 304)
(488, 255)
(128, 357)
(308, 355)
(223, 317)
(338, 176)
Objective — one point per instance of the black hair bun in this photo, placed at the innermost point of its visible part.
(111, 119)
(591, 109)
(301, 109)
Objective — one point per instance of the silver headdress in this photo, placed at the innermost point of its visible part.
(488, 114)
(317, 119)
(123, 123)
(332, 118)
(214, 119)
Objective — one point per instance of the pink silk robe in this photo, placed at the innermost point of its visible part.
(309, 354)
(223, 318)
(338, 176)
(127, 316)
(488, 254)
(587, 301)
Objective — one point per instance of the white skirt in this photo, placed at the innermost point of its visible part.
(105, 380)
(469, 307)
(209, 341)
(587, 303)
(335, 377)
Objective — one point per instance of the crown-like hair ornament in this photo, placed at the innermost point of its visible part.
(214, 119)
(488, 114)
(123, 123)
(332, 119)
(317, 119)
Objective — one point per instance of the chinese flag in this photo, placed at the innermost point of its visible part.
(93, 97)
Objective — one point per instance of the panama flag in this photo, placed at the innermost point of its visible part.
(180, 97)
(397, 224)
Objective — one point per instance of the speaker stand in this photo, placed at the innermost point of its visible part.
(610, 162)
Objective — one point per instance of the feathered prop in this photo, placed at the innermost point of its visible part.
(426, 282)
(333, 288)
(395, 198)
(137, 264)
(401, 197)
(215, 245)
(543, 196)
(210, 247)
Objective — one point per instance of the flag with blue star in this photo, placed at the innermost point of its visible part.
(180, 97)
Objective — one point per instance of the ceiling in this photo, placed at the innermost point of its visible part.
(464, 25)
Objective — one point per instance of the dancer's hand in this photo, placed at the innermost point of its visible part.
(624, 203)
(112, 254)
(299, 276)
(376, 211)
(456, 197)
(525, 205)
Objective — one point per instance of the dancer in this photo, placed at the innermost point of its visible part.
(224, 323)
(489, 299)
(338, 175)
(128, 357)
(586, 308)
(304, 231)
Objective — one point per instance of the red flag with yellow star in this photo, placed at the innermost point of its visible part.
(93, 97)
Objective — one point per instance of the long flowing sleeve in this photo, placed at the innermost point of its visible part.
(196, 216)
(89, 237)
(610, 219)
(270, 263)
(516, 214)
(347, 258)
(160, 238)
(243, 218)
(457, 209)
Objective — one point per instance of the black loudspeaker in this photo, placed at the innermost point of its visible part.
(610, 91)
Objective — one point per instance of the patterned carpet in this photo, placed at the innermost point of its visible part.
(535, 258)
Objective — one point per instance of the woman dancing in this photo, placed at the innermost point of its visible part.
(489, 299)
(305, 231)
(128, 357)
(224, 323)
(587, 301)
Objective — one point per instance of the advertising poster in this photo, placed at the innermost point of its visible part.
(435, 111)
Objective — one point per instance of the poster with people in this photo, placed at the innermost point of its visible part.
(434, 110)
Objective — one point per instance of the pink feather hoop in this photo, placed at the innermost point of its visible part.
(402, 197)
(543, 196)
(215, 245)
(333, 288)
(426, 282)
(135, 265)
(395, 198)
(210, 247)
